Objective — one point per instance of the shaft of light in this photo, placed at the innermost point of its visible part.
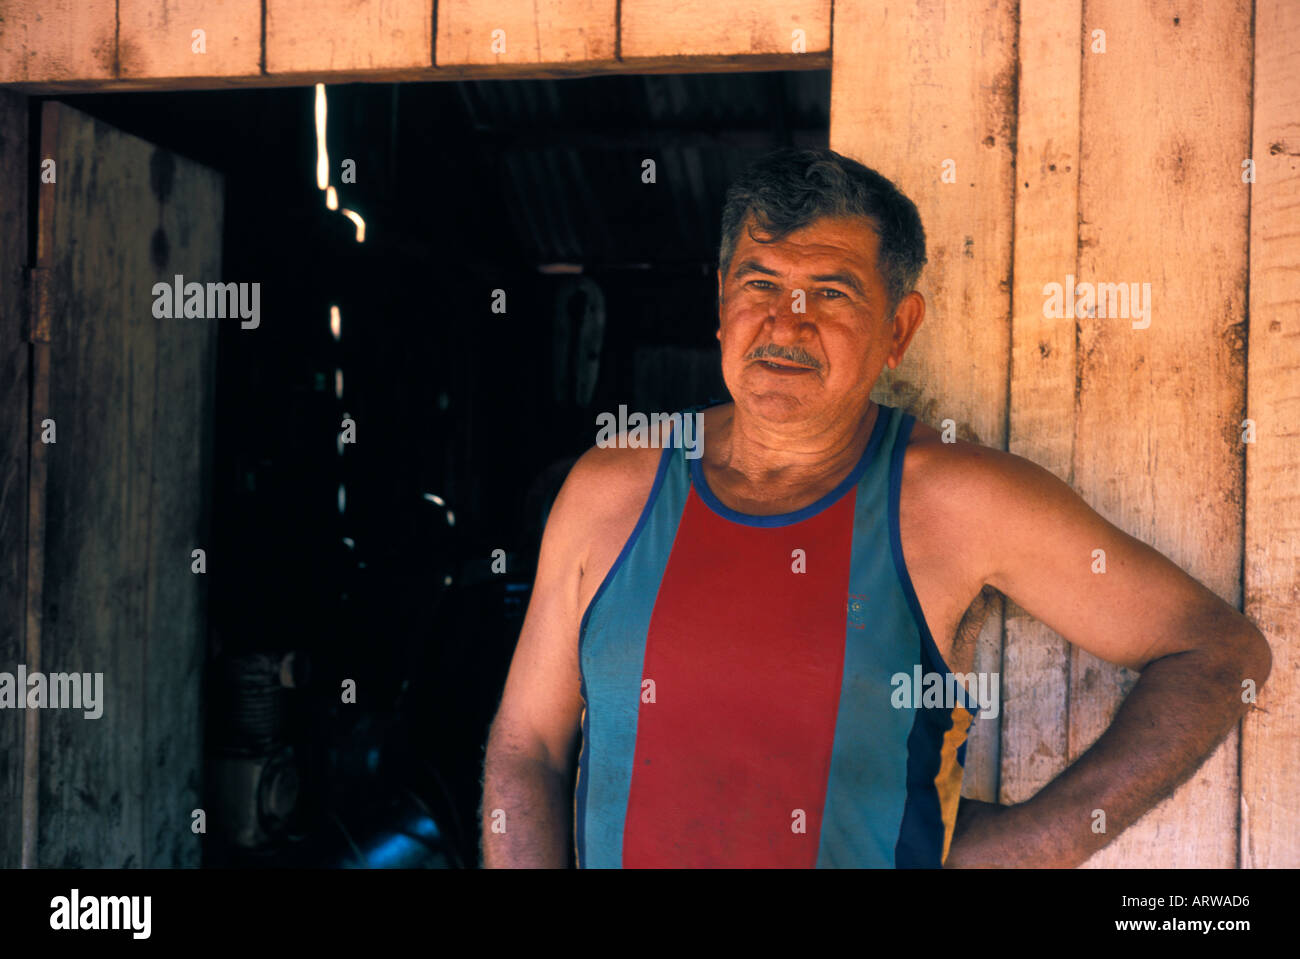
(322, 156)
(361, 224)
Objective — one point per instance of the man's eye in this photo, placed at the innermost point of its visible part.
(761, 284)
(832, 293)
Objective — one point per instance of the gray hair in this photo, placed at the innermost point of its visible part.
(790, 188)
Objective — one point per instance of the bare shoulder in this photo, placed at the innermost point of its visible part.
(610, 480)
(967, 493)
(947, 472)
(599, 505)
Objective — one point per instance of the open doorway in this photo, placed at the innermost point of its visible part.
(505, 260)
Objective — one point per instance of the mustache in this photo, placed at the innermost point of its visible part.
(793, 354)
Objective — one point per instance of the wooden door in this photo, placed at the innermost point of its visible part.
(118, 480)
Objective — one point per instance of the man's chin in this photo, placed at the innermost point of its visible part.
(779, 399)
(775, 406)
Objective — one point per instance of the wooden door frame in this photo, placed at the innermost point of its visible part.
(107, 47)
(16, 360)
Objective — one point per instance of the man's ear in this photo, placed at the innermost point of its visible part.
(908, 316)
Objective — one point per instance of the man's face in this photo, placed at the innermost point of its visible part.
(783, 365)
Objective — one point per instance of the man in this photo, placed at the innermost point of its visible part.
(726, 637)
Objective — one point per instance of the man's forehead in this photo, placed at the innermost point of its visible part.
(850, 241)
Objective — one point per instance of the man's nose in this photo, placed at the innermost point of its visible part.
(785, 320)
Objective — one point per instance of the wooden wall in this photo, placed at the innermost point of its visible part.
(1119, 163)
(909, 93)
(1115, 166)
(65, 45)
(1270, 777)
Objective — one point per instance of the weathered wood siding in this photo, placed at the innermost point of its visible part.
(1270, 775)
(1035, 660)
(1128, 167)
(124, 497)
(149, 44)
(1158, 411)
(914, 96)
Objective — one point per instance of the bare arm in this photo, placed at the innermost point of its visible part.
(1143, 756)
(532, 750)
(527, 807)
(1194, 652)
(525, 812)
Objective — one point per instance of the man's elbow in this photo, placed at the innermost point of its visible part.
(1230, 652)
(1254, 658)
(1241, 660)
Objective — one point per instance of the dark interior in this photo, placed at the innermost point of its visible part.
(377, 561)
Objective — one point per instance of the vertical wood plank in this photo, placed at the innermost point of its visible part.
(40, 310)
(910, 90)
(180, 441)
(657, 28)
(303, 36)
(535, 31)
(92, 770)
(1036, 661)
(1165, 125)
(126, 391)
(56, 40)
(156, 38)
(1270, 787)
(14, 447)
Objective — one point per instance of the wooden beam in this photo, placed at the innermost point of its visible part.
(73, 46)
(911, 93)
(189, 38)
(1270, 780)
(655, 28)
(51, 41)
(1036, 661)
(526, 32)
(662, 65)
(328, 36)
(1158, 434)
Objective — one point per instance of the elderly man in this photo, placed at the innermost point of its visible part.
(728, 645)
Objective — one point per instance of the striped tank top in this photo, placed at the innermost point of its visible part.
(743, 684)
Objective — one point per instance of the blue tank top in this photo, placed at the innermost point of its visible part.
(753, 684)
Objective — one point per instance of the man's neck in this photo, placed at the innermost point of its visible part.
(751, 455)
